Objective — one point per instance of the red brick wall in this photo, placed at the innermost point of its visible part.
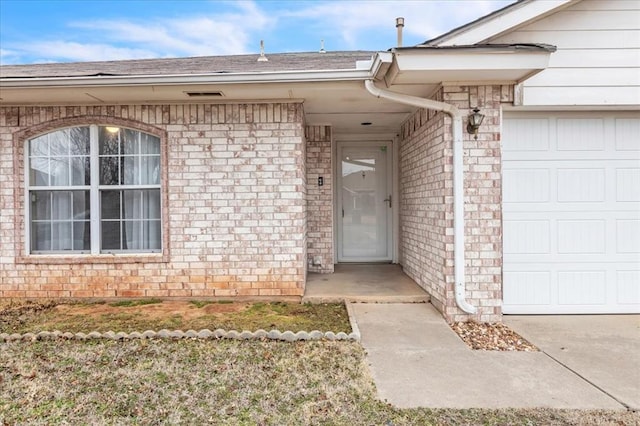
(426, 211)
(234, 217)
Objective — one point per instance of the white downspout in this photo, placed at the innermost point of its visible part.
(458, 180)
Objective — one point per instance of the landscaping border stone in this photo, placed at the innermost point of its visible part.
(286, 336)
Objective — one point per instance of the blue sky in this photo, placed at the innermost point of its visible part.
(35, 31)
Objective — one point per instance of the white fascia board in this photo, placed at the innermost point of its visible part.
(473, 60)
(179, 79)
(498, 24)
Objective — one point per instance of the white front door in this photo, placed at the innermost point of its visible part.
(364, 202)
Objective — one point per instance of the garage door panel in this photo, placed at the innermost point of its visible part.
(628, 287)
(526, 185)
(582, 287)
(581, 185)
(627, 184)
(580, 134)
(527, 288)
(581, 236)
(528, 237)
(628, 236)
(627, 131)
(571, 213)
(534, 135)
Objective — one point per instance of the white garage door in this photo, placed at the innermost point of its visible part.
(571, 211)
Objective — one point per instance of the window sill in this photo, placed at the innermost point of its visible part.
(60, 259)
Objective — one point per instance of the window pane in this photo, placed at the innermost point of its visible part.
(39, 172)
(59, 143)
(110, 235)
(152, 204)
(61, 236)
(61, 205)
(150, 170)
(132, 235)
(39, 147)
(79, 141)
(81, 205)
(109, 171)
(80, 171)
(149, 144)
(109, 142)
(41, 236)
(154, 235)
(110, 204)
(131, 170)
(130, 143)
(141, 204)
(133, 204)
(82, 236)
(60, 171)
(41, 205)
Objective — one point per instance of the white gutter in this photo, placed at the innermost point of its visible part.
(458, 180)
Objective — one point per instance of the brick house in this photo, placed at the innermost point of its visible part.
(234, 176)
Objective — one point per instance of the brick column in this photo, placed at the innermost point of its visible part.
(427, 202)
(319, 200)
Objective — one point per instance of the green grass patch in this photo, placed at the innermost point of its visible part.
(200, 303)
(135, 302)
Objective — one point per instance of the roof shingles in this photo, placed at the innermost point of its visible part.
(310, 61)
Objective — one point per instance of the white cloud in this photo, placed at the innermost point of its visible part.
(237, 27)
(229, 32)
(223, 34)
(71, 51)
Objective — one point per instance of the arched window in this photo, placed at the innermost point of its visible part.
(94, 189)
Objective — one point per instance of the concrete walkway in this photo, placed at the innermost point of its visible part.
(418, 361)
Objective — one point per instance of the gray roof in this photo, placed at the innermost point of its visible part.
(309, 61)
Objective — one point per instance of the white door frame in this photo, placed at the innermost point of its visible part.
(392, 171)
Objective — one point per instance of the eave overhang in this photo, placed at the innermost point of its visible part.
(13, 91)
(475, 64)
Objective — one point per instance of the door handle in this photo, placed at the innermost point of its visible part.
(389, 200)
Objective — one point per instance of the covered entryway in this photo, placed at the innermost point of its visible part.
(571, 211)
(364, 202)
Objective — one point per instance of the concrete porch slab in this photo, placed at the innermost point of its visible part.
(367, 283)
(604, 349)
(418, 361)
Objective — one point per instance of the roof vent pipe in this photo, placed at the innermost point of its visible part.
(262, 58)
(322, 47)
(399, 26)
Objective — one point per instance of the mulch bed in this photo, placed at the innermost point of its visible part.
(491, 337)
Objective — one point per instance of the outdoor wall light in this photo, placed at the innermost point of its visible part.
(474, 122)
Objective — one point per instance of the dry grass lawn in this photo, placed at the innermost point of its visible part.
(155, 314)
(231, 382)
(193, 382)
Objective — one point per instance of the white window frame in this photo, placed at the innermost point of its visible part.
(94, 193)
